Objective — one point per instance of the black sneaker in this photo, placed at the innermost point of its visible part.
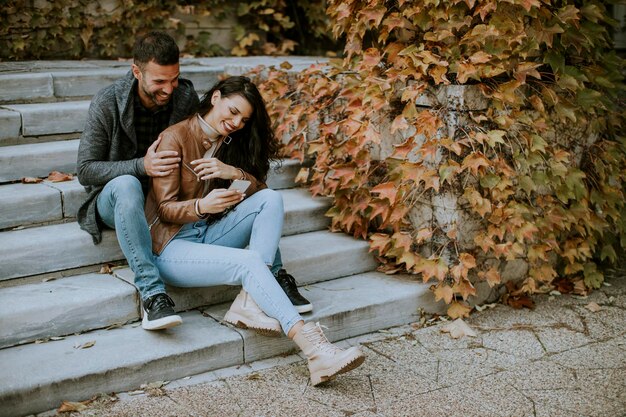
(288, 284)
(158, 313)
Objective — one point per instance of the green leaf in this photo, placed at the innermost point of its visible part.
(527, 184)
(608, 252)
(538, 144)
(555, 60)
(489, 181)
(588, 98)
(495, 136)
(593, 277)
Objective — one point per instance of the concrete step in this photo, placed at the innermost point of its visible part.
(45, 249)
(37, 159)
(38, 377)
(28, 204)
(23, 82)
(60, 307)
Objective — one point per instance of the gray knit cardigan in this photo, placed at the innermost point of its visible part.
(108, 142)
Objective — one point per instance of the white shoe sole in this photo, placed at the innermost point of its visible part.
(325, 375)
(305, 308)
(160, 324)
(244, 323)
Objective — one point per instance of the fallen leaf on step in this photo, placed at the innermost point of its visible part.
(458, 328)
(69, 406)
(31, 180)
(85, 345)
(303, 176)
(254, 377)
(593, 307)
(106, 269)
(154, 389)
(56, 176)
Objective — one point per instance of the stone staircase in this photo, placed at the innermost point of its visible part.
(54, 303)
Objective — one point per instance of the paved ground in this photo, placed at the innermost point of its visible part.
(560, 359)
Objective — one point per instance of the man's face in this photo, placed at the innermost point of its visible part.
(156, 83)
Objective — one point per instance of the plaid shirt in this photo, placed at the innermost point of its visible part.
(149, 124)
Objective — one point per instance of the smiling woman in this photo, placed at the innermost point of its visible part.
(200, 240)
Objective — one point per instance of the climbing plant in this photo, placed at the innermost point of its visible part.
(535, 175)
(107, 29)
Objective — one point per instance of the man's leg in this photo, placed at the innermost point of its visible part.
(289, 285)
(121, 207)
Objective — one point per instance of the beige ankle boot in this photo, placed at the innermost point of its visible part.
(325, 359)
(246, 314)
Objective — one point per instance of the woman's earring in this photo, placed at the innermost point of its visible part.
(227, 140)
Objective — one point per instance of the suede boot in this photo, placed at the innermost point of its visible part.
(245, 313)
(325, 359)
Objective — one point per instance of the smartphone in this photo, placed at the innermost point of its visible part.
(241, 185)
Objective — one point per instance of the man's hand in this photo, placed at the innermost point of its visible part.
(160, 164)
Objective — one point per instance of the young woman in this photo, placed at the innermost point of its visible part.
(200, 229)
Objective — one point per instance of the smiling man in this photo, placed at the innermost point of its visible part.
(117, 155)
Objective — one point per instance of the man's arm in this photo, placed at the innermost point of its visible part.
(94, 152)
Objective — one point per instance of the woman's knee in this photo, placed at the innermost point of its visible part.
(271, 198)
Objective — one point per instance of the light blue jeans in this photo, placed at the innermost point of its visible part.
(203, 255)
(120, 206)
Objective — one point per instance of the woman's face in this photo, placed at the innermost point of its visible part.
(228, 114)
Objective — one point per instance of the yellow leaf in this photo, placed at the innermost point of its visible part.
(443, 292)
(458, 309)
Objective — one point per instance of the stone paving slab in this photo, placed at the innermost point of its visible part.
(397, 378)
(61, 307)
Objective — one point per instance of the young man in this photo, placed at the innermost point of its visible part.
(117, 155)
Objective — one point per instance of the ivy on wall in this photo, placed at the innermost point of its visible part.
(77, 29)
(538, 172)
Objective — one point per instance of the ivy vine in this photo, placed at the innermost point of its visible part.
(538, 171)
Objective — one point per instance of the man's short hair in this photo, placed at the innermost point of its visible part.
(155, 46)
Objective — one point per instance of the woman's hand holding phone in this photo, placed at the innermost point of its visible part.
(219, 200)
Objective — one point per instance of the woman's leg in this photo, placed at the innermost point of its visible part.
(185, 263)
(256, 222)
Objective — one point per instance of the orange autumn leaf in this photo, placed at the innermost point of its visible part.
(458, 309)
(386, 190)
(443, 292)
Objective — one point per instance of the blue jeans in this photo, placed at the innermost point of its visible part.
(120, 206)
(203, 255)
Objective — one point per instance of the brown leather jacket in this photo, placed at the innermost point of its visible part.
(171, 199)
